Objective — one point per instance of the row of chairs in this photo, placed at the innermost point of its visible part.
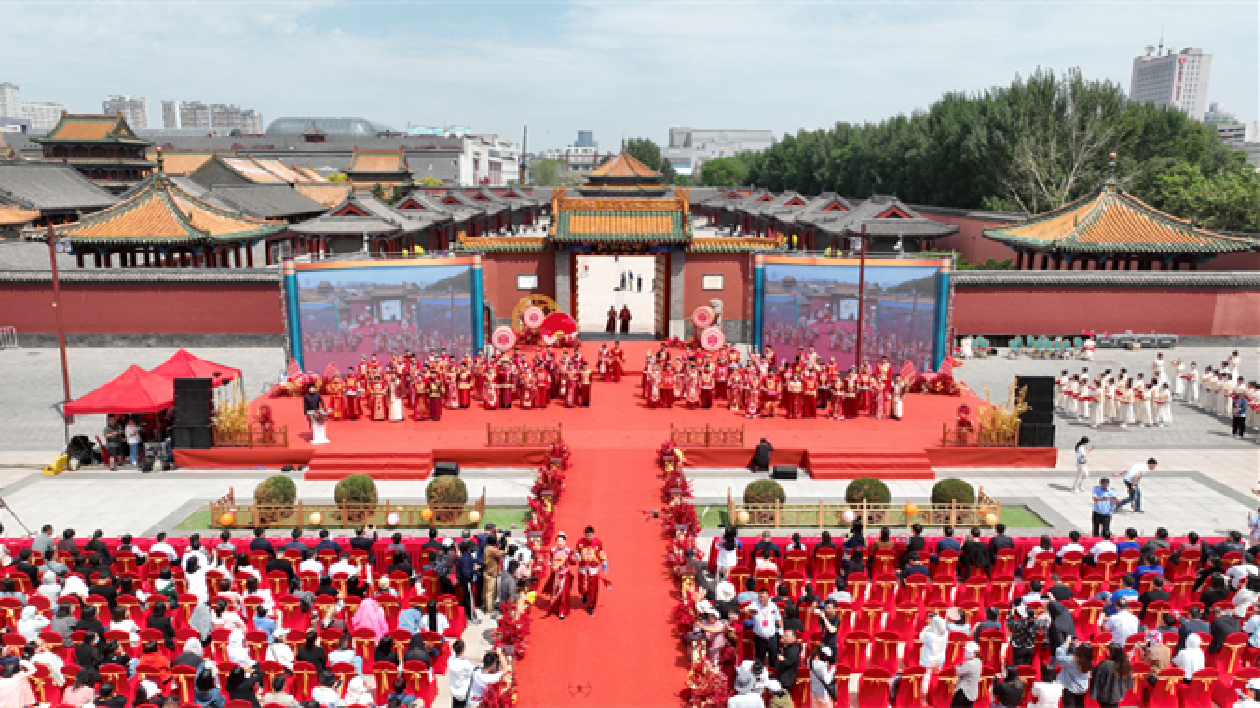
(1043, 347)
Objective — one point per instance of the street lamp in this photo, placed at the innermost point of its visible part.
(55, 246)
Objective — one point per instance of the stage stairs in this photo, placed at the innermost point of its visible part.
(378, 465)
(883, 464)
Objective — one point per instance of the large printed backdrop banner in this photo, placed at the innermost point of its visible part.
(813, 302)
(349, 309)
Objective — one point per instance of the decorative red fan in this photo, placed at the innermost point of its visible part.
(294, 371)
(330, 371)
(703, 317)
(558, 322)
(712, 339)
(503, 338)
(533, 317)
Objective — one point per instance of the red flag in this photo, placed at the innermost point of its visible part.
(947, 366)
(295, 371)
(907, 371)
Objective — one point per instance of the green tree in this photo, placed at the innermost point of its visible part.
(723, 172)
(647, 152)
(1228, 200)
(545, 173)
(378, 191)
(430, 181)
(338, 177)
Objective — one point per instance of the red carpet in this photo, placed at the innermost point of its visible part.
(626, 655)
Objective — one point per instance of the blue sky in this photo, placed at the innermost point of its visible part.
(619, 68)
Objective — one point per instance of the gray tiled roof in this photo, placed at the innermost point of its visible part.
(268, 201)
(50, 186)
(381, 219)
(187, 184)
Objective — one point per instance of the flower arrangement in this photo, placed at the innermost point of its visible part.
(513, 628)
(560, 451)
(500, 694)
(706, 686)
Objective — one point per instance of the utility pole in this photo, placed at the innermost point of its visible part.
(61, 332)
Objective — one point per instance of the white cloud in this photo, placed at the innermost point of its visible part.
(632, 68)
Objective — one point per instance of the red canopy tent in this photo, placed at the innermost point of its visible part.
(134, 391)
(183, 365)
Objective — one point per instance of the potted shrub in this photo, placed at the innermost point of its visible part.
(948, 491)
(278, 492)
(871, 491)
(446, 490)
(764, 491)
(356, 489)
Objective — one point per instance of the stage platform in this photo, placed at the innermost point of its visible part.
(619, 419)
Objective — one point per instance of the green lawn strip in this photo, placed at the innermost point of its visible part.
(1015, 517)
(505, 517)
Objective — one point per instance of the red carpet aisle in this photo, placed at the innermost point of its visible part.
(625, 655)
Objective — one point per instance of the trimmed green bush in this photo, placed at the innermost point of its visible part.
(953, 490)
(276, 490)
(355, 489)
(446, 489)
(869, 490)
(764, 491)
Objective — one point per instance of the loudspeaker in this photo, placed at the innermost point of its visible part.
(1036, 417)
(1036, 435)
(194, 401)
(192, 437)
(442, 468)
(1040, 390)
(783, 472)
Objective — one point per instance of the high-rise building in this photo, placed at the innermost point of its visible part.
(1168, 78)
(133, 108)
(41, 114)
(690, 148)
(586, 139)
(218, 116)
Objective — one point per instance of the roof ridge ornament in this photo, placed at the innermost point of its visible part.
(1111, 176)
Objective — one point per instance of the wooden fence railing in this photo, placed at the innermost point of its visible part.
(708, 436)
(523, 436)
(978, 436)
(824, 514)
(253, 437)
(301, 514)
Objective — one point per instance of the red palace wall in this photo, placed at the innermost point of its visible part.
(144, 308)
(1069, 310)
(498, 278)
(736, 269)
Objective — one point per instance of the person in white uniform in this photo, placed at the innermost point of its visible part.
(1083, 448)
(1179, 383)
(1157, 368)
(1141, 403)
(1126, 399)
(1193, 379)
(1097, 404)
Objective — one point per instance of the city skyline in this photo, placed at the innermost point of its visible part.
(617, 69)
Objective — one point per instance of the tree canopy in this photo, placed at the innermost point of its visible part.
(1033, 146)
(647, 152)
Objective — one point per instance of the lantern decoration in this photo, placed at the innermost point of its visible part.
(503, 338)
(474, 517)
(712, 339)
(703, 317)
(991, 519)
(315, 518)
(533, 317)
(426, 513)
(228, 518)
(848, 516)
(393, 518)
(742, 517)
(911, 509)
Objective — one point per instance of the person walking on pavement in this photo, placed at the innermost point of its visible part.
(1133, 481)
(1083, 448)
(1104, 506)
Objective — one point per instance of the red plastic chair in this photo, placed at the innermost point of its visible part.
(1166, 691)
(910, 693)
(182, 679)
(1004, 563)
(991, 646)
(884, 651)
(873, 687)
(854, 651)
(824, 562)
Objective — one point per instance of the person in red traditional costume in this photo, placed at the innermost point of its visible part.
(809, 395)
(668, 380)
(866, 389)
(851, 394)
(652, 390)
(464, 383)
(616, 362)
(379, 408)
(735, 389)
(603, 361)
(592, 565)
(353, 393)
(491, 397)
(435, 396)
(584, 385)
(708, 382)
(420, 389)
(752, 394)
(571, 386)
(624, 316)
(721, 376)
(769, 356)
(504, 381)
(770, 395)
(542, 387)
(558, 584)
(792, 396)
(336, 400)
(611, 325)
(365, 374)
(527, 390)
(826, 384)
(693, 387)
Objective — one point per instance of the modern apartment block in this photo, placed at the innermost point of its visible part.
(42, 114)
(1168, 78)
(134, 108)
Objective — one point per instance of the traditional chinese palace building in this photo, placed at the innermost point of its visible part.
(103, 148)
(1110, 229)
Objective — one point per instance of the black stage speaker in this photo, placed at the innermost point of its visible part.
(1040, 391)
(192, 437)
(194, 401)
(442, 468)
(1036, 417)
(1036, 435)
(783, 472)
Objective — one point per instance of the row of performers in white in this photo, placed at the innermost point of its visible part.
(1115, 399)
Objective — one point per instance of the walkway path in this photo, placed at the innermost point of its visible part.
(625, 655)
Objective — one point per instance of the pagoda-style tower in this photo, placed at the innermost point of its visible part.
(623, 176)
